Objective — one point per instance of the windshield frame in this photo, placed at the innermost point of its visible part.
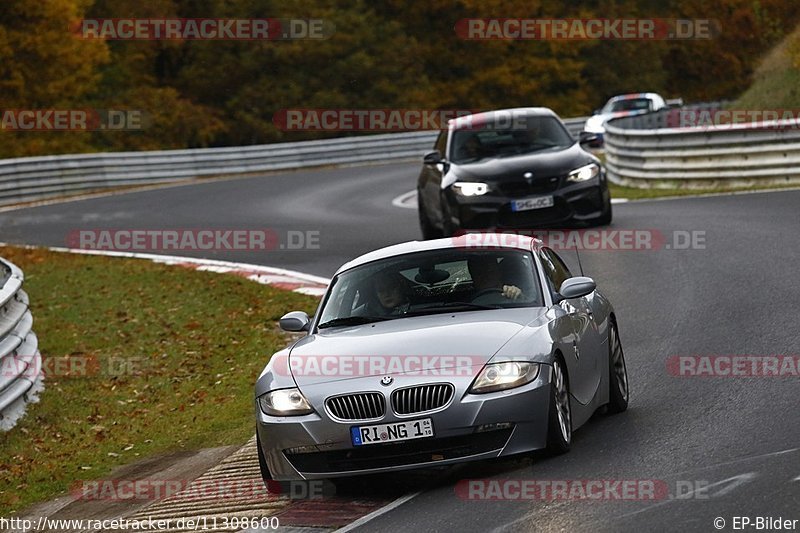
(609, 107)
(536, 276)
(451, 143)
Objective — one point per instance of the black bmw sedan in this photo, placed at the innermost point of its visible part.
(510, 169)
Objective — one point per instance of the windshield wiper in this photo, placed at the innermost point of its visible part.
(352, 321)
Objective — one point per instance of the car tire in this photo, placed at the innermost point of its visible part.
(605, 218)
(559, 423)
(452, 230)
(428, 230)
(618, 392)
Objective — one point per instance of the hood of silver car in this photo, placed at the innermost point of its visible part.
(407, 345)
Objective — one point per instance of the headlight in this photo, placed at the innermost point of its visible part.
(470, 188)
(501, 376)
(285, 402)
(584, 173)
(595, 124)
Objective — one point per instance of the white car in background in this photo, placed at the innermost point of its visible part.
(621, 106)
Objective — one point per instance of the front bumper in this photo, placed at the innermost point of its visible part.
(578, 203)
(316, 446)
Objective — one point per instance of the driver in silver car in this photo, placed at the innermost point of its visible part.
(390, 289)
(385, 294)
(487, 278)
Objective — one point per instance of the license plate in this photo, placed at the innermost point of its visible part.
(394, 432)
(532, 203)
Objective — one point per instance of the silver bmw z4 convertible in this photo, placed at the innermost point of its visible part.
(438, 352)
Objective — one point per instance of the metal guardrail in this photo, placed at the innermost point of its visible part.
(653, 151)
(36, 178)
(575, 125)
(20, 361)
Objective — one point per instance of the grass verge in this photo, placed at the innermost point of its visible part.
(776, 81)
(631, 193)
(177, 352)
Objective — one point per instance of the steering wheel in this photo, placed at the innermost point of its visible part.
(484, 292)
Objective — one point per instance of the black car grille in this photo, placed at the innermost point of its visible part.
(361, 406)
(422, 398)
(520, 188)
(417, 451)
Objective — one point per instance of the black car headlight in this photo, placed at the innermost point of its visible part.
(584, 173)
(470, 188)
(285, 402)
(501, 376)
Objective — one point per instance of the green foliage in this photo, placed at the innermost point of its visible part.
(722, 68)
(43, 65)
(187, 347)
(776, 81)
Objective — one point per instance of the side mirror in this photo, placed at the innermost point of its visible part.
(576, 287)
(295, 321)
(586, 137)
(433, 158)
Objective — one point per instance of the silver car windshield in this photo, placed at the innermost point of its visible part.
(538, 133)
(629, 104)
(452, 280)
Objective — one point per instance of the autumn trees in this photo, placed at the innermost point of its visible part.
(388, 54)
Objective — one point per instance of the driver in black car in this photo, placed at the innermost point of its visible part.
(471, 149)
(487, 278)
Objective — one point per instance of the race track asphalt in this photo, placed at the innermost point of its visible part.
(736, 295)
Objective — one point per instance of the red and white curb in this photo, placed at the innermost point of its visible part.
(195, 509)
(241, 468)
(289, 280)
